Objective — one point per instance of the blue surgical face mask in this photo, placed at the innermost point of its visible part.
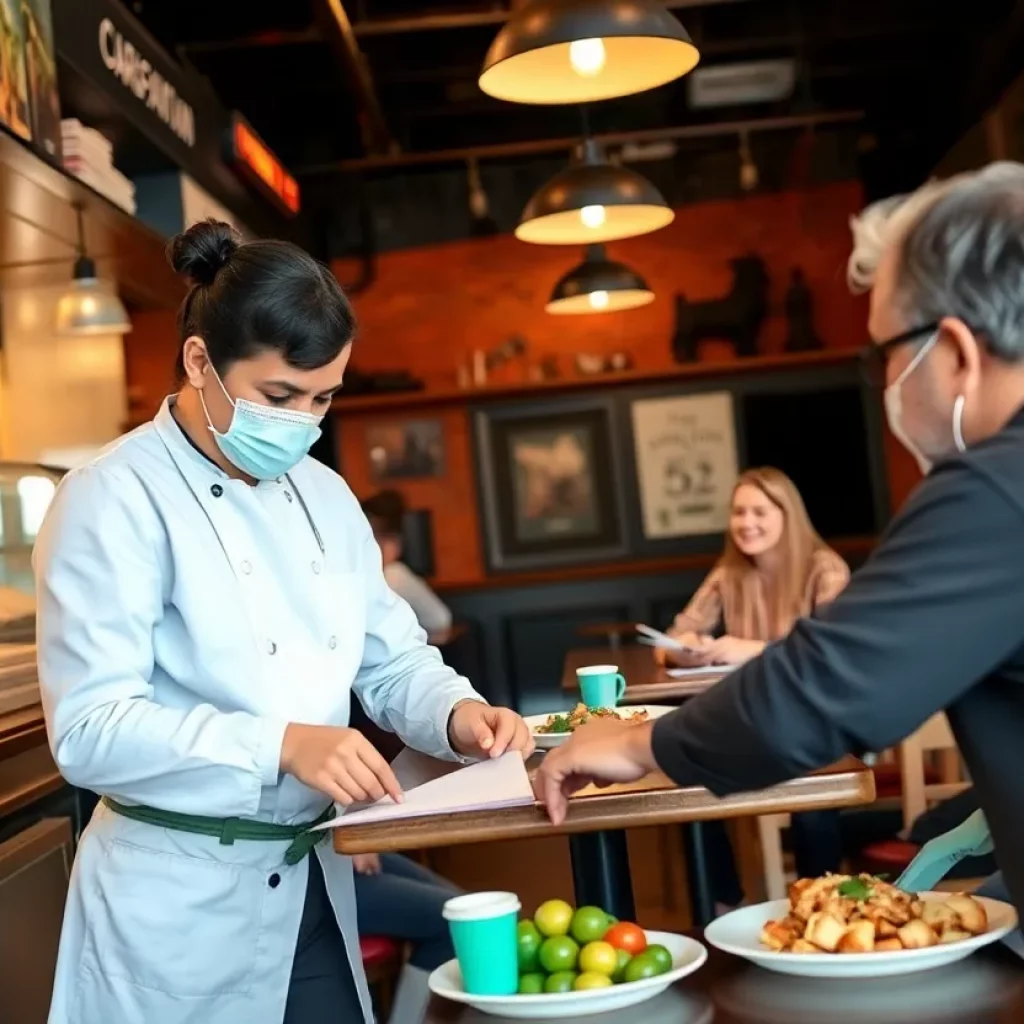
(262, 441)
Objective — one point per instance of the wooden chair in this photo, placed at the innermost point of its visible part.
(910, 780)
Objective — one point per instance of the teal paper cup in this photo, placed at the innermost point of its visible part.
(483, 929)
(601, 686)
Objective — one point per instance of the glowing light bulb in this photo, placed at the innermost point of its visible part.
(592, 216)
(598, 300)
(587, 57)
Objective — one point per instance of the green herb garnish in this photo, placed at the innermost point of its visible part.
(560, 723)
(854, 889)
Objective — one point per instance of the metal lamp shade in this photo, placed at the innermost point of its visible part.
(88, 307)
(621, 47)
(593, 203)
(599, 285)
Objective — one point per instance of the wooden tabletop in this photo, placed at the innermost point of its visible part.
(987, 988)
(21, 730)
(653, 800)
(646, 681)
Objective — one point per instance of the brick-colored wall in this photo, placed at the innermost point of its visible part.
(430, 308)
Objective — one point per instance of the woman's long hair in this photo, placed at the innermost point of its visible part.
(752, 609)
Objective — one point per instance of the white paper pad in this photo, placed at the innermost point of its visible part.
(699, 670)
(502, 782)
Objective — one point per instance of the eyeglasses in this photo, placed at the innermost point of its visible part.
(875, 355)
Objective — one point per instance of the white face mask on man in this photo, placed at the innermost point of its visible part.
(894, 410)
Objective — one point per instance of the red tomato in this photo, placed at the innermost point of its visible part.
(629, 937)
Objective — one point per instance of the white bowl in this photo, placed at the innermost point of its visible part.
(547, 740)
(739, 933)
(687, 956)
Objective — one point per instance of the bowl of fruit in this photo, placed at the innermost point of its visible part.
(580, 961)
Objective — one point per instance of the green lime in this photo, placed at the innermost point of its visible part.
(624, 957)
(661, 956)
(531, 984)
(558, 953)
(640, 967)
(612, 919)
(560, 981)
(553, 917)
(529, 940)
(588, 925)
(591, 979)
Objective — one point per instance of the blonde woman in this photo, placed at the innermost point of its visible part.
(775, 568)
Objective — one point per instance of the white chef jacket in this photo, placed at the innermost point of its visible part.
(184, 618)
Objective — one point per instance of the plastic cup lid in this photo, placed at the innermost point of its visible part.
(588, 670)
(479, 906)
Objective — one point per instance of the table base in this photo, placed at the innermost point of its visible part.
(600, 872)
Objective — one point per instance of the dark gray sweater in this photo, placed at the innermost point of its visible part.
(934, 620)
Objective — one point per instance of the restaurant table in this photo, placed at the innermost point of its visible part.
(647, 682)
(597, 818)
(987, 988)
(612, 633)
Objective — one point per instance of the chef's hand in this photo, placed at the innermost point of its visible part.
(366, 863)
(479, 730)
(341, 763)
(602, 752)
(731, 650)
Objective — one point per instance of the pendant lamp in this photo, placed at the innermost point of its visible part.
(581, 51)
(89, 307)
(599, 285)
(593, 201)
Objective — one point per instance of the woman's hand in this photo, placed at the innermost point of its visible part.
(731, 650)
(341, 763)
(476, 729)
(601, 752)
(366, 863)
(693, 658)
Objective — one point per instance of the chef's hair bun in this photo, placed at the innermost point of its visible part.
(201, 252)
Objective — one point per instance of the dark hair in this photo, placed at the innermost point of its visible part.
(385, 510)
(250, 296)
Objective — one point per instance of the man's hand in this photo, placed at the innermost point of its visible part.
(476, 729)
(601, 752)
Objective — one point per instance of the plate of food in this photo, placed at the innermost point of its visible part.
(845, 926)
(550, 730)
(576, 962)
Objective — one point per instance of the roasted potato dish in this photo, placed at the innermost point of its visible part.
(863, 914)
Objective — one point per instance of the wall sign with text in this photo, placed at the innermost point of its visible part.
(686, 463)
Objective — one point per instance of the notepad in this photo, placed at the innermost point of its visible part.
(486, 785)
(699, 670)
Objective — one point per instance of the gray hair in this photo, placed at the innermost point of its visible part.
(961, 253)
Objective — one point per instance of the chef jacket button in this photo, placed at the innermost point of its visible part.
(246, 567)
(271, 647)
(216, 490)
(333, 642)
(274, 880)
(316, 567)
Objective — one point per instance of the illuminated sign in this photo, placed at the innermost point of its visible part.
(250, 154)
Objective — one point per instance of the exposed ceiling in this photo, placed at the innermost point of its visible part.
(328, 82)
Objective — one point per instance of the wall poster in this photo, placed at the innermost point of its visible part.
(686, 463)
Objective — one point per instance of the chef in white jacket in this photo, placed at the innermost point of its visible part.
(209, 598)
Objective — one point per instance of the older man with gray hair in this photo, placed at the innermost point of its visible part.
(935, 619)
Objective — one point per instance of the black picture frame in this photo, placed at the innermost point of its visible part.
(585, 518)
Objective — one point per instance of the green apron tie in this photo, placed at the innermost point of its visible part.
(227, 830)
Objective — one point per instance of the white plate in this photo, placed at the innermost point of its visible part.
(739, 933)
(546, 740)
(687, 956)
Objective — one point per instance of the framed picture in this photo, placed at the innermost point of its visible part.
(41, 72)
(405, 449)
(14, 104)
(686, 462)
(549, 484)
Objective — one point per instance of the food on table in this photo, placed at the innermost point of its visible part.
(864, 914)
(558, 953)
(629, 937)
(528, 946)
(565, 950)
(553, 917)
(581, 714)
